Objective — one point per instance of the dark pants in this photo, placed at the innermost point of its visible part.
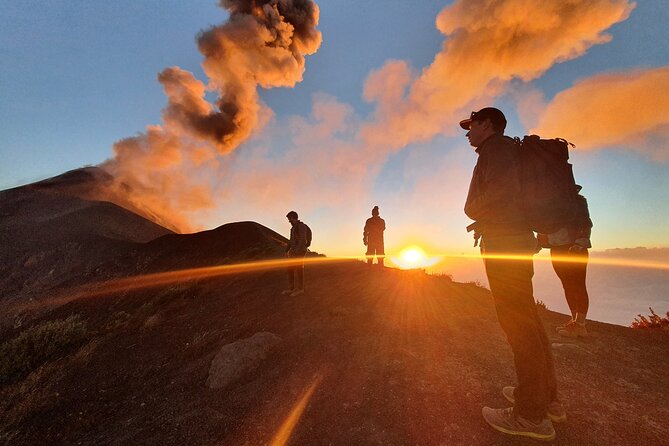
(511, 287)
(572, 276)
(296, 272)
(375, 249)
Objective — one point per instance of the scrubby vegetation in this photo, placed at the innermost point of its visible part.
(476, 283)
(443, 276)
(653, 320)
(38, 344)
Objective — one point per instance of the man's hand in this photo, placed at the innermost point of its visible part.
(537, 247)
(577, 249)
(477, 236)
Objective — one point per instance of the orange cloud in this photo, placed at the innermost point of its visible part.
(321, 166)
(489, 43)
(625, 109)
(330, 159)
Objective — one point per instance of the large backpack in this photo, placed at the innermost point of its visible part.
(547, 183)
(308, 234)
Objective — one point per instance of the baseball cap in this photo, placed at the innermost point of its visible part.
(495, 115)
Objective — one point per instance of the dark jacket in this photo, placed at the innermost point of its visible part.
(298, 238)
(373, 232)
(493, 200)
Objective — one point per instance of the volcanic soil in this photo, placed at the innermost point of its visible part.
(392, 358)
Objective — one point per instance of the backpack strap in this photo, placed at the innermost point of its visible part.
(562, 140)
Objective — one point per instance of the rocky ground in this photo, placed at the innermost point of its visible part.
(398, 358)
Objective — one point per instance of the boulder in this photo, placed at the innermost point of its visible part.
(239, 358)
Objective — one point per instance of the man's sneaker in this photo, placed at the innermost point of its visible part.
(284, 292)
(575, 330)
(297, 292)
(504, 420)
(555, 410)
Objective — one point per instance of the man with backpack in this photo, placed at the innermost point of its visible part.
(494, 202)
(300, 239)
(372, 237)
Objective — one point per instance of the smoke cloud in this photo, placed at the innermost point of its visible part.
(489, 43)
(263, 43)
(627, 109)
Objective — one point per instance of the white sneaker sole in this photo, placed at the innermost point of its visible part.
(533, 435)
(554, 418)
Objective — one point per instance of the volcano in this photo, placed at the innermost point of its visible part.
(64, 231)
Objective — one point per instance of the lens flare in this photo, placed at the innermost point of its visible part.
(152, 280)
(285, 431)
(412, 257)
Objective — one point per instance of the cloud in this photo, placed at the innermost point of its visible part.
(329, 160)
(319, 165)
(426, 199)
(489, 43)
(625, 109)
(530, 103)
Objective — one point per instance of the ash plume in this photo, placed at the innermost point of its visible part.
(263, 43)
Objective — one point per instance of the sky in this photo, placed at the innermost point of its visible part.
(360, 107)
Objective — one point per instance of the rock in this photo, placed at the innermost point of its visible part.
(34, 259)
(238, 358)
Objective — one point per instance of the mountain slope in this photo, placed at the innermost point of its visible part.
(96, 184)
(68, 207)
(240, 241)
(397, 358)
(52, 231)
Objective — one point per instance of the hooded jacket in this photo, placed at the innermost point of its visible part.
(493, 200)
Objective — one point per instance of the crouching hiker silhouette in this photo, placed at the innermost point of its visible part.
(300, 239)
(372, 237)
(507, 245)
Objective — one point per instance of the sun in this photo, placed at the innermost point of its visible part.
(413, 257)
